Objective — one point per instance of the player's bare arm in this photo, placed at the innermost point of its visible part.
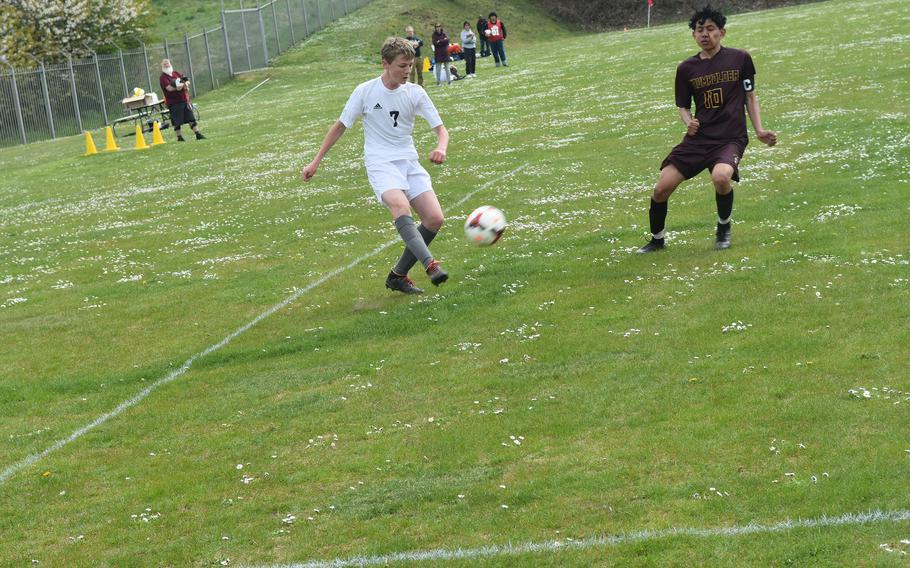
(332, 136)
(691, 123)
(438, 155)
(769, 137)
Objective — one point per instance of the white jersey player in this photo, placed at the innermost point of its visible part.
(390, 106)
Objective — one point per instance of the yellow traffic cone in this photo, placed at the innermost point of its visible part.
(89, 144)
(111, 145)
(140, 139)
(157, 138)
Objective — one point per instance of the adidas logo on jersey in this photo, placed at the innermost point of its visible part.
(377, 107)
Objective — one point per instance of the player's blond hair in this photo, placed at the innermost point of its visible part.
(395, 46)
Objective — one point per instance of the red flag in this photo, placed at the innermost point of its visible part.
(650, 2)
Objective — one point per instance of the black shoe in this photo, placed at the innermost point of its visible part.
(199, 136)
(723, 236)
(436, 273)
(653, 245)
(401, 284)
(180, 139)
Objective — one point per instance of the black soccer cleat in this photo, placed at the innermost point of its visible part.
(199, 136)
(436, 273)
(653, 245)
(723, 236)
(180, 138)
(401, 284)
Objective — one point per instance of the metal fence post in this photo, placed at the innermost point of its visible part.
(208, 56)
(227, 44)
(265, 45)
(345, 4)
(306, 23)
(126, 87)
(332, 2)
(246, 39)
(287, 5)
(12, 71)
(148, 72)
(167, 50)
(189, 61)
(275, 21)
(100, 86)
(319, 15)
(47, 98)
(69, 60)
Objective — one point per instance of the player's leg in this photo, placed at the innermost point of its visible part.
(423, 200)
(397, 204)
(177, 119)
(669, 179)
(723, 173)
(431, 219)
(399, 207)
(494, 47)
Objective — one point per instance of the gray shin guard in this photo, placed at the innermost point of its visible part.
(407, 260)
(412, 239)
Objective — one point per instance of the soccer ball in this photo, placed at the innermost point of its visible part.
(485, 225)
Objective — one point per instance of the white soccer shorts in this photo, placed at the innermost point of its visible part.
(406, 175)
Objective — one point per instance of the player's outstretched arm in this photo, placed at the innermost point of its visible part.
(332, 136)
(438, 155)
(692, 124)
(769, 137)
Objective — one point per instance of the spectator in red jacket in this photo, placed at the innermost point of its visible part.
(496, 35)
(176, 89)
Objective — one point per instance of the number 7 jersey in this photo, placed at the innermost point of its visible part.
(388, 118)
(719, 86)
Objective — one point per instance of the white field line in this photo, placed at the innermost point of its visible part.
(253, 89)
(600, 541)
(11, 470)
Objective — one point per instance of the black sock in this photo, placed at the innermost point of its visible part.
(658, 217)
(724, 207)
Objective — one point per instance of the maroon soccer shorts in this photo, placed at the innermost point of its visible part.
(691, 158)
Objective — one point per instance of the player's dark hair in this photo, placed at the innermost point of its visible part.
(705, 14)
(493, 14)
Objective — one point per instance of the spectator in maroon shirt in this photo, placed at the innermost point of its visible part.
(441, 54)
(176, 89)
(721, 81)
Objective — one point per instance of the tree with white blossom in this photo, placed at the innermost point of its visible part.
(44, 28)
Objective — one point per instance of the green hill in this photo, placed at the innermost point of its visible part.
(201, 366)
(527, 22)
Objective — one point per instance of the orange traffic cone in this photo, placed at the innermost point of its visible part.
(89, 144)
(140, 139)
(111, 145)
(157, 138)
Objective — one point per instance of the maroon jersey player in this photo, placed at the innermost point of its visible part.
(721, 81)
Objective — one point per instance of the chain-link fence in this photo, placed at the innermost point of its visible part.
(61, 99)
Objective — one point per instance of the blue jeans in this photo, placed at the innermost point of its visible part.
(499, 53)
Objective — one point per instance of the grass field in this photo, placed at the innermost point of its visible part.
(558, 388)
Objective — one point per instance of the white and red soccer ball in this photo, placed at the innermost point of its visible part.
(484, 226)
